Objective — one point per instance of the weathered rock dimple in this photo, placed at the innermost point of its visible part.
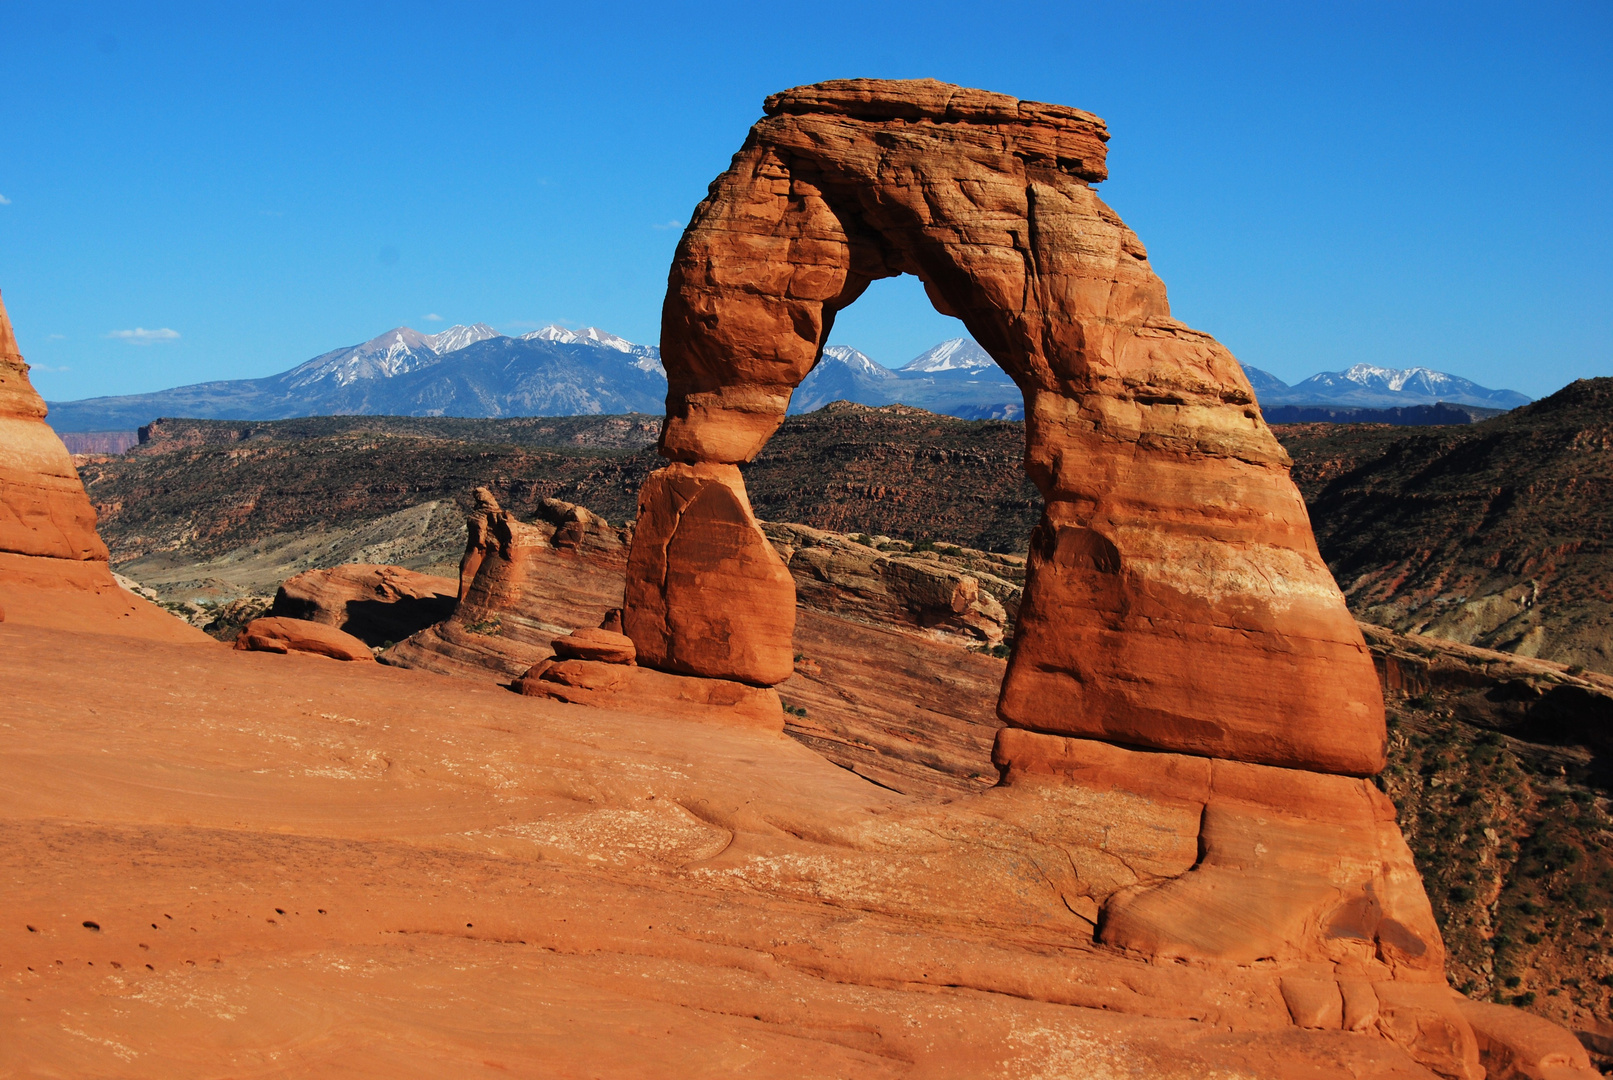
(1175, 597)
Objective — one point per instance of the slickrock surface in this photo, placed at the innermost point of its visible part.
(235, 863)
(1174, 598)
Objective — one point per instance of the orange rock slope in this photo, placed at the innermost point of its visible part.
(53, 566)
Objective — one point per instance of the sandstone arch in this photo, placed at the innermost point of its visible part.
(1176, 599)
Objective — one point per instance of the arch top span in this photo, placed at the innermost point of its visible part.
(1175, 597)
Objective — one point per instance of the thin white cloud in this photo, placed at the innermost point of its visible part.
(55, 337)
(4, 201)
(47, 367)
(434, 317)
(673, 224)
(141, 336)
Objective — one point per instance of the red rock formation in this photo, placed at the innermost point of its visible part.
(706, 593)
(53, 565)
(1290, 864)
(281, 635)
(1175, 597)
(378, 604)
(522, 584)
(43, 508)
(605, 646)
(629, 688)
(565, 890)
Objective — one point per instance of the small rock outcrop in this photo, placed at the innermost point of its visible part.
(377, 604)
(522, 584)
(597, 667)
(604, 646)
(1174, 597)
(282, 635)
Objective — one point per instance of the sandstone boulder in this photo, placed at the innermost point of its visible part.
(1175, 597)
(282, 635)
(706, 593)
(605, 646)
(377, 604)
(628, 688)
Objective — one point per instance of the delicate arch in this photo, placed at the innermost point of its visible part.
(1175, 598)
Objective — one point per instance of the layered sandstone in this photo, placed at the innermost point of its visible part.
(43, 508)
(53, 565)
(1175, 598)
(521, 585)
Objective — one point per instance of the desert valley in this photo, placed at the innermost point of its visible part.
(831, 720)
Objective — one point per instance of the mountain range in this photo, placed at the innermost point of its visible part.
(474, 371)
(471, 371)
(1367, 386)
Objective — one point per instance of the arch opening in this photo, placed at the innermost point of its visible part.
(892, 347)
(1174, 598)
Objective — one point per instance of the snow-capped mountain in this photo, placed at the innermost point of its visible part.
(476, 371)
(958, 354)
(856, 361)
(458, 337)
(462, 371)
(844, 374)
(382, 357)
(1369, 386)
(1263, 381)
(647, 357)
(956, 377)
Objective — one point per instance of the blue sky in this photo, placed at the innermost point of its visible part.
(1319, 185)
